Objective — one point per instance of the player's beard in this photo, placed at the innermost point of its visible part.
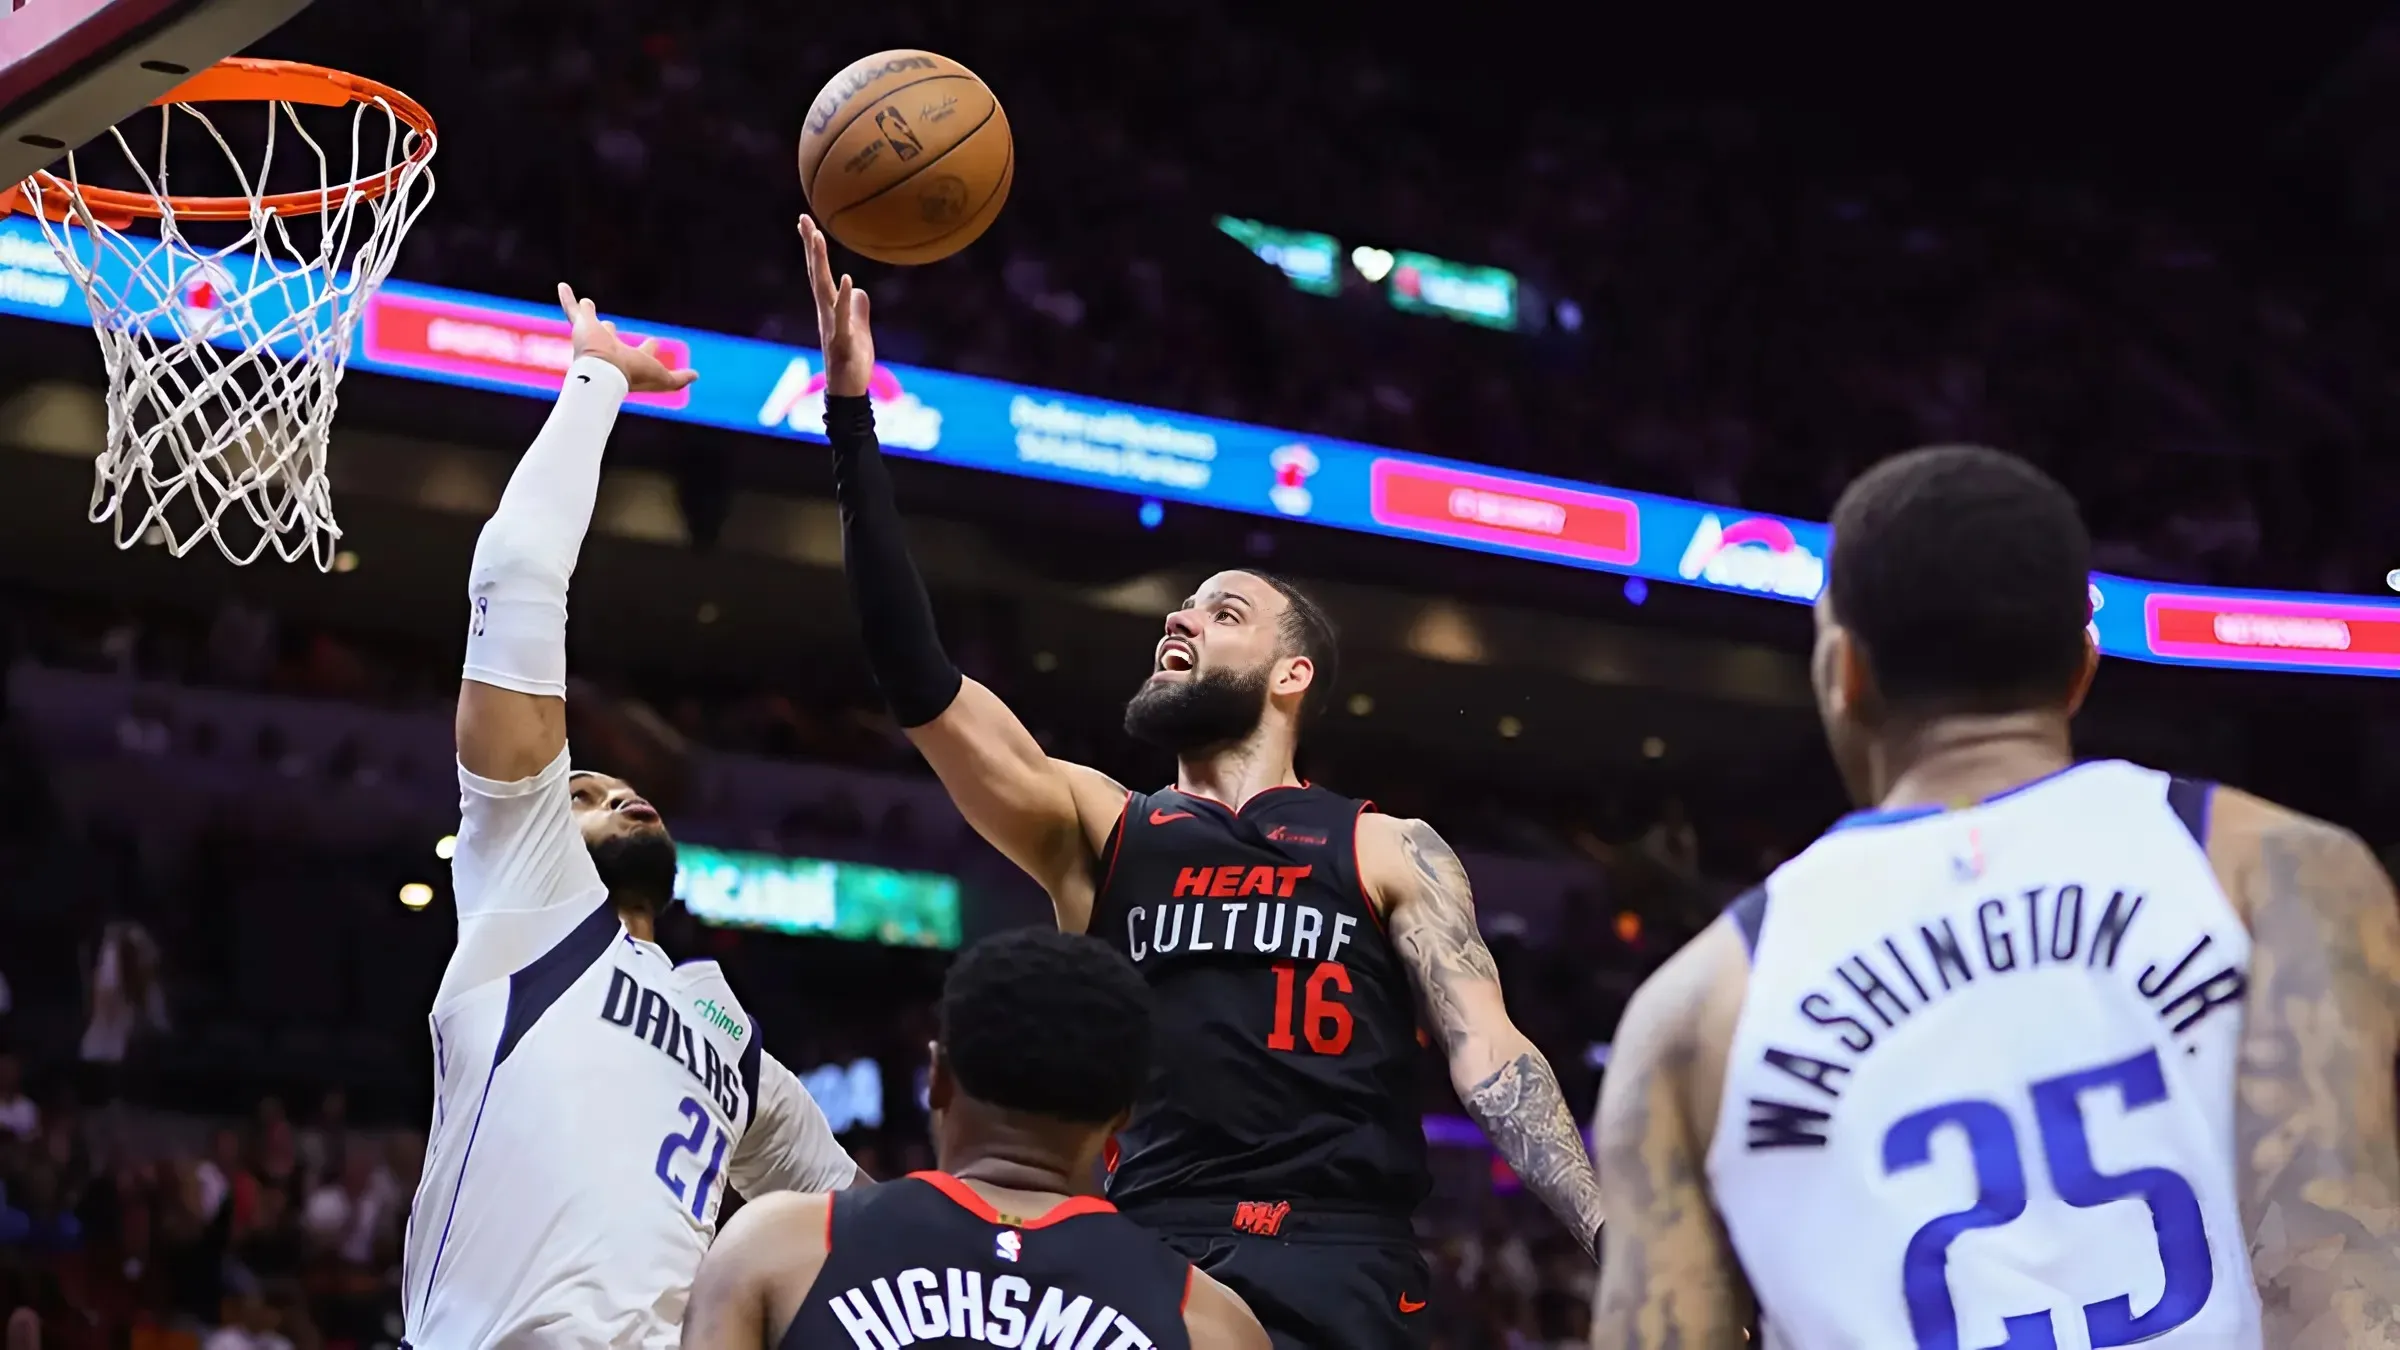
(638, 867)
(1215, 708)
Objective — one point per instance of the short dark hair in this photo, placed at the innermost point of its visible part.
(1307, 631)
(1965, 575)
(1053, 1024)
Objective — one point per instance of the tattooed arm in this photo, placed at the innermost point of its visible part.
(1668, 1275)
(2314, 1108)
(1502, 1080)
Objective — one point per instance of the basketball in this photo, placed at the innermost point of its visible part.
(906, 157)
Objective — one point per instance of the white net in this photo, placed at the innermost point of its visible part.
(225, 337)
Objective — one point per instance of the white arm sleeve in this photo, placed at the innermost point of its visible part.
(789, 1146)
(522, 875)
(517, 587)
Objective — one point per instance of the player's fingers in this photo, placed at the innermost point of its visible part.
(820, 275)
(649, 347)
(566, 300)
(841, 308)
(859, 304)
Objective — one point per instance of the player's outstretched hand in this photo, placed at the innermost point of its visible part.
(595, 336)
(841, 319)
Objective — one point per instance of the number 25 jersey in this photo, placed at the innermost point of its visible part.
(1981, 1088)
(1286, 1065)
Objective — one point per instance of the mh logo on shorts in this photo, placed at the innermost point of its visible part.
(1261, 1217)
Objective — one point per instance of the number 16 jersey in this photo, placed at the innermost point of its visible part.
(1287, 1053)
(1981, 1088)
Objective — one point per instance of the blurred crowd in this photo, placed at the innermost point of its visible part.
(129, 1227)
(836, 717)
(1754, 317)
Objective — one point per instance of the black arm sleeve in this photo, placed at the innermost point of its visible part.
(895, 619)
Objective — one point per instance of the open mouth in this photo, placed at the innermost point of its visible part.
(1175, 654)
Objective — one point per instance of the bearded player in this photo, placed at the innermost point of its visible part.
(1291, 934)
(2029, 1053)
(592, 1099)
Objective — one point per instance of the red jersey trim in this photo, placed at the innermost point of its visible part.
(965, 1197)
(1302, 786)
(1358, 869)
(1191, 1276)
(829, 1224)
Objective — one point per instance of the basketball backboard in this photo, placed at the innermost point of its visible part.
(71, 69)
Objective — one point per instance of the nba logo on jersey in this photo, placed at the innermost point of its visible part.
(1966, 863)
(1008, 1246)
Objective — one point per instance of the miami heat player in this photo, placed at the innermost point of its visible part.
(1291, 933)
(2031, 1053)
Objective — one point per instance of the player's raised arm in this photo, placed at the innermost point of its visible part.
(1502, 1080)
(757, 1272)
(519, 849)
(512, 704)
(1668, 1274)
(2313, 1105)
(1047, 816)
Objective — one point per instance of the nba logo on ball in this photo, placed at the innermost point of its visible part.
(1294, 465)
(906, 157)
(1008, 1246)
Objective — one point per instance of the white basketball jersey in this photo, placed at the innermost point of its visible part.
(1981, 1090)
(592, 1101)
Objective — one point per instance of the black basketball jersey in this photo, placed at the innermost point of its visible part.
(1287, 1056)
(923, 1260)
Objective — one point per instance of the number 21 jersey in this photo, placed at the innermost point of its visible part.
(1981, 1088)
(1287, 1049)
(592, 1103)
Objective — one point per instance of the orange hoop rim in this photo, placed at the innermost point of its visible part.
(247, 79)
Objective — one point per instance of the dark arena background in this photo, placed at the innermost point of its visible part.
(1536, 343)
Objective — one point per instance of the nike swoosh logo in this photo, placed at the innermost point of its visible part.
(1158, 817)
(583, 379)
(1409, 1305)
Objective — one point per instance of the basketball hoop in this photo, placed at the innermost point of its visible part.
(224, 352)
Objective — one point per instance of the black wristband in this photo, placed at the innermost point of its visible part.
(895, 619)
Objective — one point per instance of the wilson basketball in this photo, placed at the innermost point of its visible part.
(906, 157)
